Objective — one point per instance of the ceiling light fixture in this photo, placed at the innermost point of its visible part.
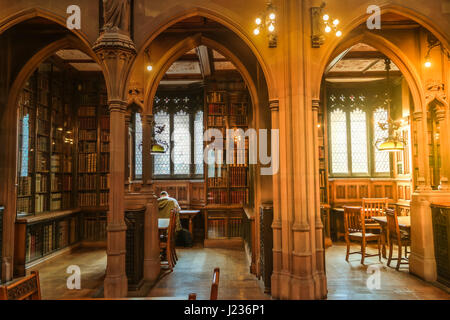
(432, 42)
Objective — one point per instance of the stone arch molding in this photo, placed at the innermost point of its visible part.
(182, 47)
(31, 13)
(176, 14)
(392, 52)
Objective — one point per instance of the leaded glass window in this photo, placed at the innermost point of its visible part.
(358, 129)
(338, 128)
(161, 162)
(182, 118)
(198, 142)
(181, 143)
(138, 145)
(353, 116)
(382, 161)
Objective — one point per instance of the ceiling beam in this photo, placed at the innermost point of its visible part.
(204, 58)
(370, 65)
(183, 76)
(366, 55)
(336, 60)
(358, 74)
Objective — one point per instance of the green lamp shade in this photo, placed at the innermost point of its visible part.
(391, 145)
(157, 149)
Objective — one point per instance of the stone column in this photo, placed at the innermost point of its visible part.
(116, 52)
(276, 224)
(151, 246)
(422, 183)
(443, 137)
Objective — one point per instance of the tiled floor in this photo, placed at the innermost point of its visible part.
(348, 280)
(193, 273)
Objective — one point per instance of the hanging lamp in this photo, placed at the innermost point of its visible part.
(394, 141)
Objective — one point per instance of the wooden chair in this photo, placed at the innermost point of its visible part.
(214, 287)
(355, 230)
(374, 207)
(27, 288)
(167, 246)
(395, 236)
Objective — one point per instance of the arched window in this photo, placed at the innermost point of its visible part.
(137, 146)
(179, 127)
(353, 117)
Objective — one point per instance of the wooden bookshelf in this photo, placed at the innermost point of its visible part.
(1, 238)
(93, 147)
(226, 185)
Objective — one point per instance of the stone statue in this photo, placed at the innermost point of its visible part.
(116, 15)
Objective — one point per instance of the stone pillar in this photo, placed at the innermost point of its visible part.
(152, 261)
(116, 52)
(444, 141)
(422, 182)
(276, 224)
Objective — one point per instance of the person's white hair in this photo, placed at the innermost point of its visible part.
(164, 194)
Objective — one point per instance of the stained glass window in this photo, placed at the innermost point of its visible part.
(138, 146)
(25, 143)
(382, 161)
(358, 129)
(338, 128)
(198, 142)
(161, 162)
(181, 143)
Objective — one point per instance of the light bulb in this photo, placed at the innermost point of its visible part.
(258, 21)
(256, 31)
(427, 62)
(338, 33)
(271, 27)
(336, 22)
(272, 16)
(326, 17)
(149, 68)
(327, 29)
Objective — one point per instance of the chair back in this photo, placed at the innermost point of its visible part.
(215, 284)
(392, 225)
(171, 229)
(353, 220)
(27, 288)
(374, 207)
(192, 296)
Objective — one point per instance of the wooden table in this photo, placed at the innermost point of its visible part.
(404, 223)
(189, 214)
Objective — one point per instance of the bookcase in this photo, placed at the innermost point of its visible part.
(46, 144)
(226, 184)
(93, 147)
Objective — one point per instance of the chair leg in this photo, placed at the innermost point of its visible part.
(379, 249)
(390, 253)
(348, 250)
(363, 251)
(399, 256)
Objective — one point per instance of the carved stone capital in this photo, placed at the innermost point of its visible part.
(274, 105)
(117, 106)
(418, 115)
(315, 105)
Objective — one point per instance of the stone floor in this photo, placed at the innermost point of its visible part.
(193, 273)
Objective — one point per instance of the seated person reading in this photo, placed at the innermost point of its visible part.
(166, 204)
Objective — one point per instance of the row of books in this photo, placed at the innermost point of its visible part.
(322, 178)
(216, 121)
(218, 181)
(94, 229)
(239, 196)
(24, 205)
(238, 109)
(216, 108)
(104, 198)
(87, 182)
(42, 162)
(87, 162)
(218, 196)
(88, 123)
(43, 127)
(40, 203)
(43, 98)
(55, 163)
(104, 162)
(238, 120)
(86, 111)
(104, 182)
(87, 135)
(216, 228)
(238, 176)
(235, 228)
(55, 201)
(323, 196)
(104, 123)
(104, 147)
(67, 164)
(42, 113)
(24, 187)
(87, 147)
(25, 98)
(87, 199)
(215, 96)
(41, 183)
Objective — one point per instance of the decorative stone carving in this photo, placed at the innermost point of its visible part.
(435, 90)
(116, 16)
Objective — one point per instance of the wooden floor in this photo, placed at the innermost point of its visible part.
(193, 272)
(348, 280)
